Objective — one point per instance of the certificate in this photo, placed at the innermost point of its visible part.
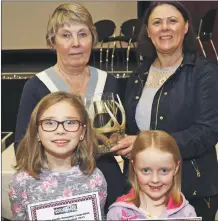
(177, 219)
(79, 207)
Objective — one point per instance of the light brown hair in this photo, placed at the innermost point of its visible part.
(30, 155)
(69, 13)
(162, 141)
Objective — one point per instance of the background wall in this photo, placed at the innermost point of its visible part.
(24, 23)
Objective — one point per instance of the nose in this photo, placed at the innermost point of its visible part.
(154, 178)
(164, 25)
(75, 41)
(60, 129)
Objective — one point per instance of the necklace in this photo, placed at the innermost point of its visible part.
(78, 90)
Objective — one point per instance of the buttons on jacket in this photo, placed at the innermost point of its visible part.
(165, 93)
(136, 81)
(161, 117)
(137, 97)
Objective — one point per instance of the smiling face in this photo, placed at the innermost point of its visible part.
(155, 170)
(60, 143)
(73, 44)
(167, 28)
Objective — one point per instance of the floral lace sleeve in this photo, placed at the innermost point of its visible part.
(18, 196)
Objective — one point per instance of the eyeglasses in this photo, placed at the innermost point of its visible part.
(49, 125)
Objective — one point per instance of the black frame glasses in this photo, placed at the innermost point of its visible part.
(75, 126)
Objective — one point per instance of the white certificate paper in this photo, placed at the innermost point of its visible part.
(177, 219)
(79, 207)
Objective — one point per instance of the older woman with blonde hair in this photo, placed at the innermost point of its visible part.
(72, 34)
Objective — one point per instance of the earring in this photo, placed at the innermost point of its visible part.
(81, 137)
(147, 32)
(38, 137)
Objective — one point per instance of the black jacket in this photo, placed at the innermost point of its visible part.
(186, 106)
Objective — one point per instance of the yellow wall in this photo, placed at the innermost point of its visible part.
(24, 23)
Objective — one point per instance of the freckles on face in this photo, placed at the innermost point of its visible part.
(73, 44)
(167, 28)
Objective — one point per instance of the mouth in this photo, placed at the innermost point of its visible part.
(166, 37)
(60, 142)
(155, 188)
(75, 54)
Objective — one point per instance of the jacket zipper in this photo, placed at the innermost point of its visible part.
(196, 168)
(142, 81)
(157, 108)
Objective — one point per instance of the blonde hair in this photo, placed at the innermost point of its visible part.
(162, 141)
(30, 155)
(68, 13)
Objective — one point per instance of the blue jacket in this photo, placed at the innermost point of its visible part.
(186, 106)
(122, 210)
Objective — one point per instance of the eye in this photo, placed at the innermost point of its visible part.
(71, 122)
(146, 171)
(164, 171)
(156, 22)
(83, 34)
(49, 122)
(66, 35)
(173, 21)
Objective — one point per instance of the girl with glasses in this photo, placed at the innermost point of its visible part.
(55, 158)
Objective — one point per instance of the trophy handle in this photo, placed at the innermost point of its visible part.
(122, 112)
(120, 106)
